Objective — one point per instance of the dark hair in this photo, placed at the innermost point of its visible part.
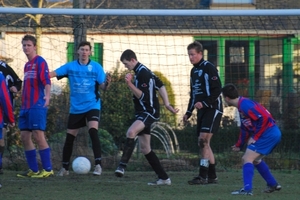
(230, 91)
(84, 43)
(195, 45)
(128, 55)
(29, 38)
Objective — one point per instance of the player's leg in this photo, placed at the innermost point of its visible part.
(75, 121)
(37, 123)
(248, 172)
(132, 132)
(93, 123)
(145, 147)
(265, 145)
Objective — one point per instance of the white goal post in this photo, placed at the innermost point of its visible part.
(151, 12)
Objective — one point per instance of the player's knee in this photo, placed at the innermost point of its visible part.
(202, 143)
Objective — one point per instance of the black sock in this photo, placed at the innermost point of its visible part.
(127, 151)
(96, 145)
(67, 150)
(212, 171)
(156, 166)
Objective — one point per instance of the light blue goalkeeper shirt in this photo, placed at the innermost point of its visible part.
(83, 83)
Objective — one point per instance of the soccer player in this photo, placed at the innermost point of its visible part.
(33, 112)
(205, 96)
(146, 107)
(261, 134)
(85, 77)
(14, 85)
(6, 108)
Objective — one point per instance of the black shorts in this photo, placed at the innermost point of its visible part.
(77, 121)
(208, 120)
(148, 120)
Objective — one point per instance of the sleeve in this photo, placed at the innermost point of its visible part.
(214, 87)
(5, 101)
(101, 74)
(243, 138)
(190, 107)
(44, 72)
(158, 82)
(17, 82)
(62, 71)
(144, 81)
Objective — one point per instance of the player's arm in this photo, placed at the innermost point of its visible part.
(215, 86)
(105, 85)
(6, 102)
(136, 91)
(47, 95)
(191, 103)
(17, 82)
(52, 74)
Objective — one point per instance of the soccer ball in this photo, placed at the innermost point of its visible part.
(81, 165)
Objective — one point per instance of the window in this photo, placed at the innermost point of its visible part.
(232, 4)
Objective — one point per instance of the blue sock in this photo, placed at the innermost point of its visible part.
(248, 173)
(264, 171)
(46, 159)
(31, 160)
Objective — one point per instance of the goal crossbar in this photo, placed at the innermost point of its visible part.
(151, 12)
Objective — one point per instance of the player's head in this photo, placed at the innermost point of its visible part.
(129, 59)
(29, 45)
(195, 52)
(84, 50)
(230, 91)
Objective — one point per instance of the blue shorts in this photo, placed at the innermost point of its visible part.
(267, 142)
(33, 119)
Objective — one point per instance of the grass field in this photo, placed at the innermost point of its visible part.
(133, 186)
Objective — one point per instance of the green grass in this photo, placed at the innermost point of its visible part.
(133, 186)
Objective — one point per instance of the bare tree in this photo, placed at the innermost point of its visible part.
(37, 17)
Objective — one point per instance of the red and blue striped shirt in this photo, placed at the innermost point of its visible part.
(255, 120)
(5, 103)
(36, 77)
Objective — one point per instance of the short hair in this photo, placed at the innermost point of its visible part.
(230, 91)
(29, 38)
(128, 55)
(84, 43)
(195, 45)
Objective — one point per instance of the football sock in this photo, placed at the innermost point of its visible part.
(156, 166)
(31, 160)
(67, 150)
(212, 171)
(203, 170)
(1, 155)
(127, 151)
(248, 173)
(45, 155)
(96, 145)
(264, 171)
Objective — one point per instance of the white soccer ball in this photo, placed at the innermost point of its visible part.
(81, 165)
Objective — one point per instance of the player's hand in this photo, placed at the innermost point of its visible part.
(172, 109)
(13, 89)
(11, 124)
(235, 148)
(128, 78)
(108, 78)
(198, 105)
(185, 119)
(251, 141)
(47, 101)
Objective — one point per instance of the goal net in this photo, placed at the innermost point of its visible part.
(258, 50)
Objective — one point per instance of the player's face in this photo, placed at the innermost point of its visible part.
(194, 56)
(129, 64)
(28, 48)
(84, 52)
